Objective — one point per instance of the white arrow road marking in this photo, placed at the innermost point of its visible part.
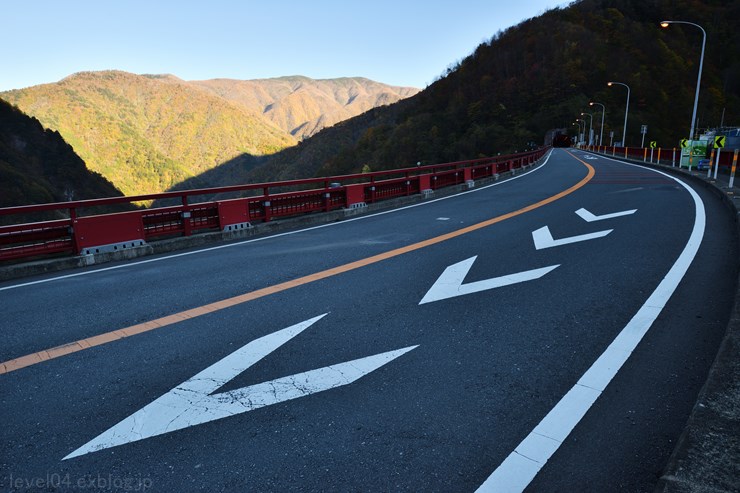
(192, 402)
(543, 238)
(450, 283)
(589, 217)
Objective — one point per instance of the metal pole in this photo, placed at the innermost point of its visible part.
(590, 127)
(601, 129)
(581, 134)
(701, 65)
(716, 164)
(626, 111)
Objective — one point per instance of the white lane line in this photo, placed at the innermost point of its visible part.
(176, 255)
(636, 189)
(523, 464)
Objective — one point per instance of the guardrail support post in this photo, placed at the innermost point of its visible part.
(327, 197)
(732, 170)
(266, 205)
(185, 217)
(73, 230)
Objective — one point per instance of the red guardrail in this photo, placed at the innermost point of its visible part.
(78, 233)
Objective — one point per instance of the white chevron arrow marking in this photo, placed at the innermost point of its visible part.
(193, 402)
(589, 217)
(450, 283)
(543, 238)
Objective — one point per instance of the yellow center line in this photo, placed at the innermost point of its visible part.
(73, 347)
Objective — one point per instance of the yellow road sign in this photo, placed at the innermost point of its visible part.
(653, 144)
(684, 143)
(719, 141)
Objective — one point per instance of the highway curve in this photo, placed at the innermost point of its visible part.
(549, 332)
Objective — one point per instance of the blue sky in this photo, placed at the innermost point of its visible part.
(408, 43)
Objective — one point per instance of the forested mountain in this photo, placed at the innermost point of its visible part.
(38, 166)
(146, 133)
(537, 76)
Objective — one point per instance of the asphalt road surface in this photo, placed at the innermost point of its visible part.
(548, 333)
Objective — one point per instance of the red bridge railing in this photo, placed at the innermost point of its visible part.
(77, 233)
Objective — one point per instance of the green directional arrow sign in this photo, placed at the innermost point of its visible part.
(719, 141)
(684, 143)
(653, 144)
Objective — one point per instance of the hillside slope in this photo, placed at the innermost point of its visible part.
(146, 133)
(38, 166)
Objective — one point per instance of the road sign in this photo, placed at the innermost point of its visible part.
(643, 129)
(684, 143)
(653, 144)
(719, 141)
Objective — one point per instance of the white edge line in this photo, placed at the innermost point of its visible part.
(518, 469)
(426, 202)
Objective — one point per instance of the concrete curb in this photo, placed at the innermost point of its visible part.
(707, 456)
(49, 266)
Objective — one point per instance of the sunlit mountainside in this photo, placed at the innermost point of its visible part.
(303, 106)
(146, 133)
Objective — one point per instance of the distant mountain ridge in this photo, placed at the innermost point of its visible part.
(303, 106)
(146, 133)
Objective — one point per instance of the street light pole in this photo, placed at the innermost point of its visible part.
(603, 112)
(626, 111)
(701, 65)
(581, 134)
(590, 127)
